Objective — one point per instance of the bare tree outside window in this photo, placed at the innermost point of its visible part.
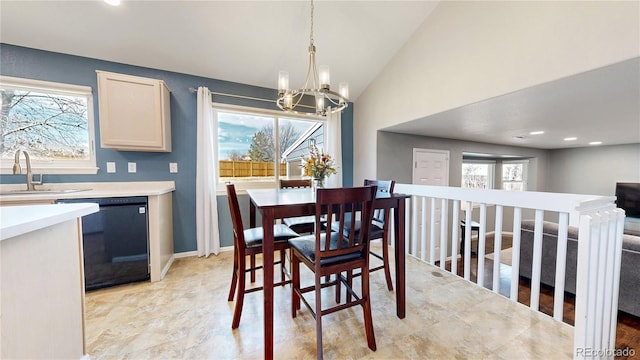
(238, 156)
(514, 176)
(53, 122)
(476, 176)
(48, 126)
(263, 144)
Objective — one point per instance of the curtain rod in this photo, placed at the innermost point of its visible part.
(192, 90)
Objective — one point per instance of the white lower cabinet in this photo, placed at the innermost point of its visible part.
(42, 294)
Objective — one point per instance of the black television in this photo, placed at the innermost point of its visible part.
(628, 198)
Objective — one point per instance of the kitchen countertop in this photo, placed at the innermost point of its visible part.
(19, 220)
(54, 191)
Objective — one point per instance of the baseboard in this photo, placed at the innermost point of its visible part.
(186, 254)
(166, 267)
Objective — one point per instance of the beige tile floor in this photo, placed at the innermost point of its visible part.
(187, 316)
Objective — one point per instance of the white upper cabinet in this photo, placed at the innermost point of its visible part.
(134, 113)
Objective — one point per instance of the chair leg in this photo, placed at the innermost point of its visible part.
(366, 308)
(318, 291)
(385, 260)
(349, 283)
(282, 259)
(241, 289)
(234, 278)
(253, 266)
(295, 284)
(338, 288)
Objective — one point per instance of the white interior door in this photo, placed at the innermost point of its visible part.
(430, 167)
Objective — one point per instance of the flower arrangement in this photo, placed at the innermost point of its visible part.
(318, 165)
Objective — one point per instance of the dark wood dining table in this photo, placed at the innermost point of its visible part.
(275, 204)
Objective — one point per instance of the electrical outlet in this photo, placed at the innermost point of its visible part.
(173, 168)
(132, 167)
(111, 167)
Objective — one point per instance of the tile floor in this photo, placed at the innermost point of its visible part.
(187, 316)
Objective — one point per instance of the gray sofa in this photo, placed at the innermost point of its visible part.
(629, 299)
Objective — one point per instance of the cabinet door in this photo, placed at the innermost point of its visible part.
(134, 113)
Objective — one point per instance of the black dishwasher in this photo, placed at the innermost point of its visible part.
(115, 241)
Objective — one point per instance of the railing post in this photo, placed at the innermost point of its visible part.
(598, 273)
(561, 266)
(497, 248)
(515, 253)
(455, 236)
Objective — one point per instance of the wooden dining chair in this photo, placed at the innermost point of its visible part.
(295, 183)
(248, 242)
(379, 229)
(327, 253)
(299, 224)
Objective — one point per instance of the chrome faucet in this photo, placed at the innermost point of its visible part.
(18, 170)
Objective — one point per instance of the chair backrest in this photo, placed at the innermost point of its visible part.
(335, 203)
(298, 183)
(384, 186)
(236, 217)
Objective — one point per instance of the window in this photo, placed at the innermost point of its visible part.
(514, 175)
(478, 174)
(53, 122)
(262, 147)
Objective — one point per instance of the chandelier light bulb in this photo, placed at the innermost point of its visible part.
(343, 89)
(283, 81)
(319, 104)
(288, 101)
(325, 78)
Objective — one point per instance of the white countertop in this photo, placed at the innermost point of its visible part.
(88, 190)
(18, 220)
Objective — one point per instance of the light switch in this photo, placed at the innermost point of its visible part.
(132, 167)
(173, 168)
(111, 167)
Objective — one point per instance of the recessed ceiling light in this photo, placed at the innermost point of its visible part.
(595, 143)
(536, 133)
(570, 138)
(113, 2)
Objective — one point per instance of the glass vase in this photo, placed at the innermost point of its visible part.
(317, 183)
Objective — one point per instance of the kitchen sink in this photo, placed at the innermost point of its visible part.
(41, 191)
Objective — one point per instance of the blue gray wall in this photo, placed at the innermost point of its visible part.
(48, 66)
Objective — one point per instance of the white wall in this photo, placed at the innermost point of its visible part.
(470, 51)
(593, 170)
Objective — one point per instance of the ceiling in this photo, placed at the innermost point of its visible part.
(601, 105)
(246, 42)
(250, 41)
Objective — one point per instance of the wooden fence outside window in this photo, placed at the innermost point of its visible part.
(229, 168)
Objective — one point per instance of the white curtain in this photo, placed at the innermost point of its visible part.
(207, 234)
(334, 147)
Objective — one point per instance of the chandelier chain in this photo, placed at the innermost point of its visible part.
(311, 32)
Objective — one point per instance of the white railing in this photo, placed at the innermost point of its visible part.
(430, 233)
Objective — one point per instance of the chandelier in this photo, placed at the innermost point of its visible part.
(316, 87)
